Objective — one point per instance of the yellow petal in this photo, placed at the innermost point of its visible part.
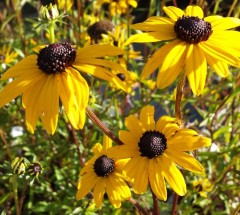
(129, 138)
(173, 176)
(74, 94)
(30, 101)
(220, 67)
(163, 121)
(99, 191)
(185, 160)
(156, 179)
(97, 149)
(187, 140)
(134, 125)
(48, 103)
(85, 185)
(194, 11)
(147, 118)
(113, 195)
(221, 52)
(141, 177)
(149, 37)
(196, 69)
(224, 23)
(173, 12)
(107, 142)
(94, 51)
(123, 151)
(120, 186)
(23, 67)
(172, 65)
(157, 59)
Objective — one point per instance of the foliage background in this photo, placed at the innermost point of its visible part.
(214, 114)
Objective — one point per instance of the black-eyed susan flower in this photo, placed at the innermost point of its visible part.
(154, 149)
(195, 41)
(203, 186)
(103, 174)
(54, 73)
(7, 56)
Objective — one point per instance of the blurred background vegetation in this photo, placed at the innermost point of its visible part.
(214, 114)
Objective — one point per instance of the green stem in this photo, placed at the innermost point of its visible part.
(51, 32)
(179, 94)
(15, 194)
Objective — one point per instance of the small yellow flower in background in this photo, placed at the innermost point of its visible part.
(118, 7)
(7, 56)
(154, 149)
(41, 79)
(65, 4)
(195, 41)
(202, 186)
(103, 174)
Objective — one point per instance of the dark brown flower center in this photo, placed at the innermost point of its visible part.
(152, 144)
(192, 29)
(103, 166)
(2, 57)
(35, 168)
(56, 57)
(96, 30)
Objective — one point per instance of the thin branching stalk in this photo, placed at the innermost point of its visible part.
(141, 210)
(155, 204)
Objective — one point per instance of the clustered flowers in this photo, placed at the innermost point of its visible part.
(154, 151)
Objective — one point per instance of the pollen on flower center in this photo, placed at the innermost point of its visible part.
(192, 29)
(152, 144)
(103, 166)
(56, 57)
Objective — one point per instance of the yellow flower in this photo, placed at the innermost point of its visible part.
(118, 7)
(155, 148)
(65, 4)
(103, 174)
(7, 56)
(195, 41)
(53, 73)
(203, 186)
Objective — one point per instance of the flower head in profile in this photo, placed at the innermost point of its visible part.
(103, 174)
(195, 41)
(154, 149)
(54, 73)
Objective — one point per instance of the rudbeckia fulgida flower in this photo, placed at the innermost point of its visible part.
(154, 149)
(103, 174)
(194, 42)
(54, 73)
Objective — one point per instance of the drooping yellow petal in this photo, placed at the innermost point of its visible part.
(30, 101)
(16, 88)
(157, 59)
(95, 51)
(120, 186)
(156, 179)
(48, 103)
(85, 185)
(173, 12)
(173, 176)
(194, 11)
(74, 94)
(221, 53)
(26, 66)
(99, 191)
(172, 65)
(196, 69)
(107, 142)
(130, 169)
(147, 118)
(220, 67)
(113, 195)
(141, 178)
(185, 160)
